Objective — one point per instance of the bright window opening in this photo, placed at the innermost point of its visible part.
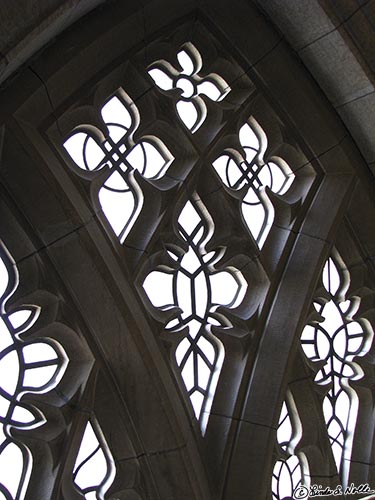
(336, 339)
(197, 290)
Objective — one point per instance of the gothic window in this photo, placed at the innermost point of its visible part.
(26, 367)
(190, 290)
(338, 339)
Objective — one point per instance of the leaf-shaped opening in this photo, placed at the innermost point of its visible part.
(9, 372)
(258, 214)
(189, 60)
(197, 399)
(94, 468)
(85, 151)
(189, 218)
(161, 79)
(188, 114)
(282, 175)
(23, 319)
(331, 277)
(92, 473)
(121, 202)
(159, 288)
(26, 416)
(284, 430)
(115, 112)
(39, 378)
(210, 90)
(249, 139)
(12, 468)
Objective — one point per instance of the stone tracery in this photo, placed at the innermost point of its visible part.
(26, 367)
(253, 174)
(259, 235)
(336, 339)
(120, 195)
(196, 288)
(190, 106)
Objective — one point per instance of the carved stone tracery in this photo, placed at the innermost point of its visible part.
(255, 333)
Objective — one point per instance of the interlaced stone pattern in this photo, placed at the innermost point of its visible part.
(26, 367)
(251, 173)
(336, 339)
(120, 195)
(194, 289)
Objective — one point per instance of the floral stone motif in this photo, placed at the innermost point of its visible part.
(25, 367)
(190, 106)
(195, 288)
(337, 339)
(120, 195)
(254, 175)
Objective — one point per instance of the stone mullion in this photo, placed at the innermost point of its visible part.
(128, 350)
(128, 347)
(314, 442)
(81, 411)
(39, 285)
(102, 403)
(257, 425)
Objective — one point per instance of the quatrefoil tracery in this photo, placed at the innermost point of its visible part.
(252, 173)
(120, 195)
(190, 106)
